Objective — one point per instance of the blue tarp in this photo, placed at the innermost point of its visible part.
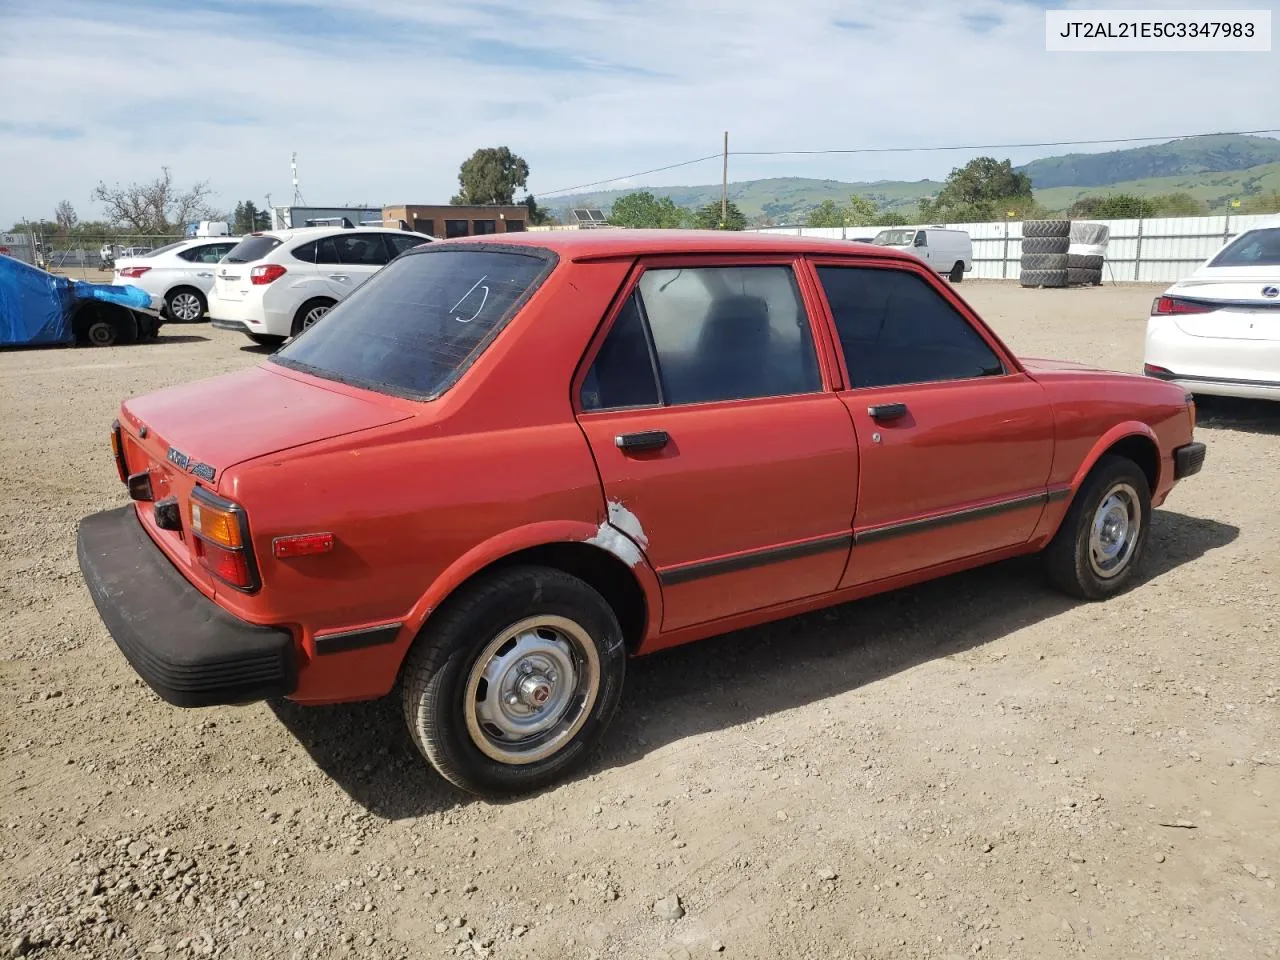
(36, 307)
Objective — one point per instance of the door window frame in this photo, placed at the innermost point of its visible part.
(826, 355)
(1012, 366)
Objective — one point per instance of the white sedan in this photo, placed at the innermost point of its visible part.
(1218, 331)
(180, 274)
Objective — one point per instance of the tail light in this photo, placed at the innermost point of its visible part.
(1171, 306)
(221, 531)
(133, 273)
(266, 273)
(117, 451)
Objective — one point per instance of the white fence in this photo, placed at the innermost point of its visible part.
(1154, 250)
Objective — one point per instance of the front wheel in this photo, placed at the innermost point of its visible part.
(1102, 538)
(514, 682)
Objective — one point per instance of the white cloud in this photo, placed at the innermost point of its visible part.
(384, 100)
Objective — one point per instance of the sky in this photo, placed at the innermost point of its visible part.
(383, 99)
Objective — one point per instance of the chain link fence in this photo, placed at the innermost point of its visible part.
(83, 256)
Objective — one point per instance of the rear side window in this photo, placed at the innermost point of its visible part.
(413, 328)
(306, 253)
(1254, 248)
(400, 242)
(895, 329)
(362, 249)
(252, 248)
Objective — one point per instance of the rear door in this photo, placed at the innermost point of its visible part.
(720, 448)
(955, 441)
(360, 255)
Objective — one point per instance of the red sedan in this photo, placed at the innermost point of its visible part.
(498, 470)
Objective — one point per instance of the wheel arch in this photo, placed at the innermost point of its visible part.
(187, 288)
(89, 312)
(1136, 441)
(631, 589)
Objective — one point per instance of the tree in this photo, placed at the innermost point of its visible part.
(983, 189)
(642, 210)
(863, 212)
(538, 216)
(248, 218)
(1262, 203)
(65, 214)
(491, 175)
(1115, 206)
(892, 219)
(1178, 205)
(157, 207)
(827, 214)
(708, 217)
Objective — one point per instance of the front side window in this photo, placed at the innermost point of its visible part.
(717, 333)
(894, 329)
(414, 327)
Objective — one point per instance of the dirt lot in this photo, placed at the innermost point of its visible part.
(976, 766)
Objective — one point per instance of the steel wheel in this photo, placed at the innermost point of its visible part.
(185, 306)
(531, 689)
(102, 334)
(1114, 532)
(314, 314)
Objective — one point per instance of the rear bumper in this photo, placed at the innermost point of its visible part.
(187, 648)
(1187, 460)
(236, 325)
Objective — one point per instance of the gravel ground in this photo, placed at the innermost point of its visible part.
(975, 766)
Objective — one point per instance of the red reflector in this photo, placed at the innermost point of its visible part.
(228, 565)
(1168, 306)
(266, 273)
(1151, 370)
(302, 545)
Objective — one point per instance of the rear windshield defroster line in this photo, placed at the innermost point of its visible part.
(414, 327)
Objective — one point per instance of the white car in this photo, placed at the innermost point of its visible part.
(1218, 331)
(180, 274)
(275, 283)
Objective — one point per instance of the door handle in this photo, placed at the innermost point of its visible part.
(338, 276)
(648, 440)
(204, 274)
(887, 411)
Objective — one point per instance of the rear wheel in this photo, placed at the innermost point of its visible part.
(957, 272)
(309, 313)
(1102, 538)
(514, 681)
(185, 305)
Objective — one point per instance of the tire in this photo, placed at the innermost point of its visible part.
(1044, 261)
(266, 339)
(957, 272)
(1117, 489)
(1046, 228)
(1079, 277)
(564, 625)
(1081, 261)
(185, 305)
(1045, 245)
(1043, 278)
(309, 313)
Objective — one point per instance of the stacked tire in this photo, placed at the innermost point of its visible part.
(1044, 253)
(1087, 253)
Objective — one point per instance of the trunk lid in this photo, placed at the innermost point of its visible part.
(1243, 311)
(193, 432)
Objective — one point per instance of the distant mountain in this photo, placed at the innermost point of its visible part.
(1177, 158)
(1213, 169)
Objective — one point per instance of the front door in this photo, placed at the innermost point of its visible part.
(720, 450)
(955, 443)
(360, 255)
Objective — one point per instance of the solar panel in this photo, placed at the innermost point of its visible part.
(582, 216)
(597, 215)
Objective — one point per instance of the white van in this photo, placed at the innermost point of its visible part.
(949, 252)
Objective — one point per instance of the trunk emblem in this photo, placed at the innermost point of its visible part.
(1271, 292)
(183, 462)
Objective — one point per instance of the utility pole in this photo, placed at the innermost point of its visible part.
(724, 186)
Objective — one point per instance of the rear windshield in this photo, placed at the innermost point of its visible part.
(417, 324)
(166, 248)
(250, 249)
(1255, 248)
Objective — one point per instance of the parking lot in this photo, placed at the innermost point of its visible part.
(974, 766)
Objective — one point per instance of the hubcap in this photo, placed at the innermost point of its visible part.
(185, 306)
(314, 314)
(1114, 534)
(531, 689)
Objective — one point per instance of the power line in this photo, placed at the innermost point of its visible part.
(937, 149)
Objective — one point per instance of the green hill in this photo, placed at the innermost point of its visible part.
(1177, 158)
(1213, 169)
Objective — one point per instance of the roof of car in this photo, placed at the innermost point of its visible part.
(291, 232)
(601, 243)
